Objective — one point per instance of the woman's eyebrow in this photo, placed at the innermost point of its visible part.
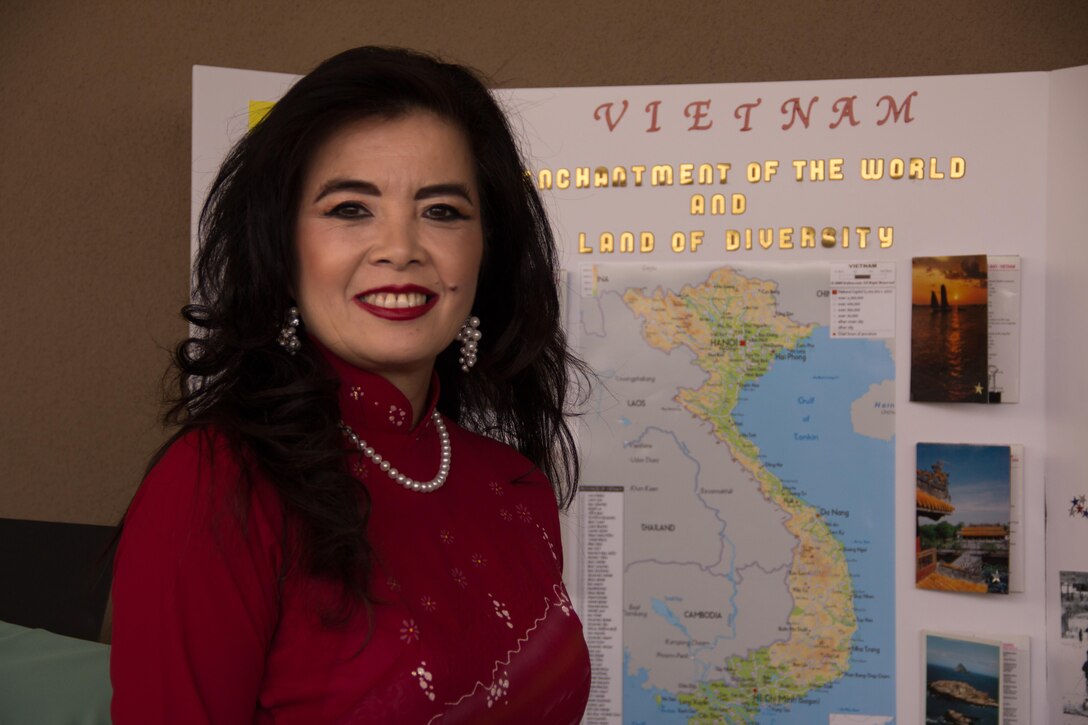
(357, 185)
(448, 189)
(371, 189)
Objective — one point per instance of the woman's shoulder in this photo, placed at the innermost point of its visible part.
(203, 475)
(502, 461)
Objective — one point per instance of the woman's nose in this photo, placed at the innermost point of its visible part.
(399, 245)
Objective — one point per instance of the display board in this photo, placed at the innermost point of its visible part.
(737, 266)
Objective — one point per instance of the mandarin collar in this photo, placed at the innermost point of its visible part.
(370, 402)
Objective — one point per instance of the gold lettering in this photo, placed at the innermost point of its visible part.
(754, 172)
(679, 243)
(766, 237)
(686, 171)
(872, 169)
(933, 172)
(723, 172)
(885, 235)
(834, 169)
(957, 167)
(544, 179)
(863, 237)
(607, 243)
(582, 247)
(808, 238)
(827, 237)
(706, 174)
(732, 240)
(581, 177)
(600, 176)
(627, 242)
(646, 242)
(740, 203)
(638, 171)
(562, 179)
(698, 205)
(917, 169)
(785, 238)
(661, 175)
(717, 204)
(896, 168)
(696, 239)
(619, 176)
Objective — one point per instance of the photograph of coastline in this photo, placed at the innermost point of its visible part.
(962, 680)
(949, 343)
(963, 510)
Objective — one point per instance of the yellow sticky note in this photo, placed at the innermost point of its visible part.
(258, 110)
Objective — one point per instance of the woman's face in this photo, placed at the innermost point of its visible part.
(389, 242)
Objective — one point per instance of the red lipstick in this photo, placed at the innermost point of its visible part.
(397, 313)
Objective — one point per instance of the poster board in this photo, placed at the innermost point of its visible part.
(977, 149)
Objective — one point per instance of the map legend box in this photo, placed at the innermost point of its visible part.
(863, 300)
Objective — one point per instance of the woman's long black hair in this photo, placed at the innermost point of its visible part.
(280, 411)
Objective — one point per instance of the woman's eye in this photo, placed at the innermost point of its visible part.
(443, 212)
(349, 210)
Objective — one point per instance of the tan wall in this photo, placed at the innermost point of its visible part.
(94, 160)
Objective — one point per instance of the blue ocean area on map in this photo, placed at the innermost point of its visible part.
(799, 414)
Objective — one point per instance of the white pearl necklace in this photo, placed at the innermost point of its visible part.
(410, 483)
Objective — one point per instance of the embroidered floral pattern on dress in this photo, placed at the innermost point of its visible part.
(428, 603)
(459, 577)
(356, 392)
(425, 680)
(393, 584)
(496, 488)
(358, 468)
(397, 415)
(548, 541)
(409, 631)
(498, 688)
(562, 600)
(500, 678)
(501, 611)
(523, 513)
(478, 560)
(445, 536)
(505, 515)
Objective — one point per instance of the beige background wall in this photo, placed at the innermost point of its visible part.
(94, 160)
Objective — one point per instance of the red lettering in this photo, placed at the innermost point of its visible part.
(653, 116)
(795, 112)
(698, 114)
(845, 108)
(747, 113)
(895, 111)
(607, 108)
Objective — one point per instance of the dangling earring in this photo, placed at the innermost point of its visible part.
(468, 337)
(288, 338)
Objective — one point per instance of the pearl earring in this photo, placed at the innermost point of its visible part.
(469, 336)
(288, 338)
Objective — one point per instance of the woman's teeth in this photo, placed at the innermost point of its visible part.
(398, 300)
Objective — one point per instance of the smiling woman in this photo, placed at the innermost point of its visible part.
(328, 537)
(390, 240)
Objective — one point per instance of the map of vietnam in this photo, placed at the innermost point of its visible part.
(732, 326)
